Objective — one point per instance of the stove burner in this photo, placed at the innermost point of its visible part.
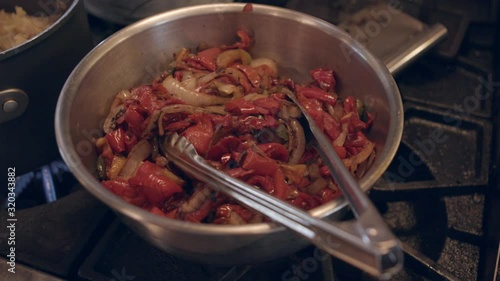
(44, 185)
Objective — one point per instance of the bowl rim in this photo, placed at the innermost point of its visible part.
(69, 90)
(42, 35)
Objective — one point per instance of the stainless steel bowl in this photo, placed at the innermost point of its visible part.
(134, 55)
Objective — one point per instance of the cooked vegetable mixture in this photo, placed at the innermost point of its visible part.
(234, 109)
(18, 27)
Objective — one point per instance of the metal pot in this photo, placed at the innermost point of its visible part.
(134, 55)
(32, 75)
(129, 11)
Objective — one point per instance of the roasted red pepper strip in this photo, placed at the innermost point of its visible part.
(251, 74)
(314, 108)
(324, 171)
(271, 103)
(200, 135)
(116, 140)
(246, 41)
(122, 188)
(238, 78)
(157, 211)
(239, 173)
(208, 57)
(248, 8)
(355, 140)
(223, 146)
(316, 93)
(280, 186)
(274, 151)
(261, 165)
(154, 184)
(262, 182)
(324, 78)
(146, 98)
(243, 107)
(246, 124)
(341, 152)
(350, 105)
(331, 126)
(328, 195)
(134, 121)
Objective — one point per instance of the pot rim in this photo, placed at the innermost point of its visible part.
(42, 35)
(71, 157)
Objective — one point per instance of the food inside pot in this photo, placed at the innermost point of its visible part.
(18, 27)
(234, 109)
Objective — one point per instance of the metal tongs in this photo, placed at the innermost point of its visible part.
(366, 242)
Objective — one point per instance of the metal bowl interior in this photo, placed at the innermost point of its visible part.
(136, 54)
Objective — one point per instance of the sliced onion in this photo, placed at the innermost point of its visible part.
(314, 171)
(365, 165)
(188, 80)
(296, 141)
(123, 95)
(202, 80)
(294, 173)
(340, 140)
(180, 55)
(352, 162)
(235, 219)
(153, 120)
(195, 201)
(254, 96)
(110, 121)
(177, 90)
(336, 111)
(228, 57)
(316, 187)
(265, 61)
(289, 110)
(225, 89)
(139, 153)
(256, 218)
(216, 109)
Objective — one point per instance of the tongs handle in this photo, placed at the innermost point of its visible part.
(369, 221)
(347, 241)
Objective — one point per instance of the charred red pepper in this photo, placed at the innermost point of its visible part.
(316, 93)
(123, 189)
(200, 135)
(324, 78)
(280, 186)
(223, 146)
(154, 183)
(259, 164)
(274, 151)
(251, 74)
(262, 182)
(207, 58)
(116, 140)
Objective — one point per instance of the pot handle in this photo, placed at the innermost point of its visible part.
(413, 49)
(13, 103)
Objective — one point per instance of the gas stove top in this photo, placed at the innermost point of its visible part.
(439, 195)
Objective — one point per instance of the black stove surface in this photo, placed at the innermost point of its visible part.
(438, 196)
